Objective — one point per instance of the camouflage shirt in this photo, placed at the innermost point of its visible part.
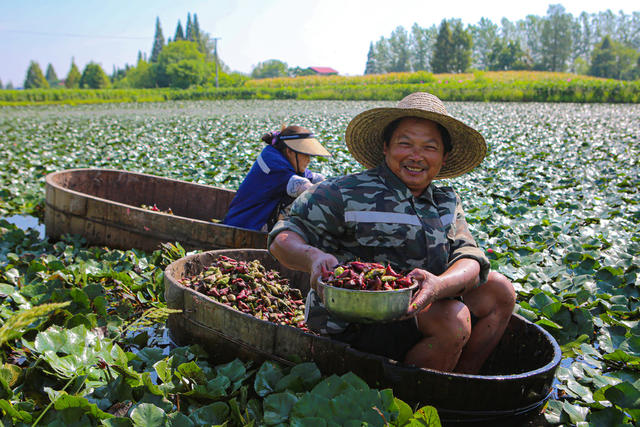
(374, 217)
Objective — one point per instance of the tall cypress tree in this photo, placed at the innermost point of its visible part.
(199, 37)
(195, 28)
(51, 75)
(158, 42)
(73, 77)
(441, 60)
(1, 85)
(189, 29)
(179, 33)
(372, 66)
(35, 79)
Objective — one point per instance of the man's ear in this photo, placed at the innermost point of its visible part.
(445, 157)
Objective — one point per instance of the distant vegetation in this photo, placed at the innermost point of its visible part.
(478, 86)
(600, 44)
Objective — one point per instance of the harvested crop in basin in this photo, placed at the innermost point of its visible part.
(367, 276)
(154, 208)
(249, 287)
(168, 211)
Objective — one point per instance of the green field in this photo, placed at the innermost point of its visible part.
(555, 204)
(505, 86)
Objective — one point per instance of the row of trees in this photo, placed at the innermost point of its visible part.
(601, 44)
(189, 58)
(93, 76)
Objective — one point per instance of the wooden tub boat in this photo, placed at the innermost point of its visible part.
(105, 207)
(514, 384)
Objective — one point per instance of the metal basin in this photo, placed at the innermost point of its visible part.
(366, 306)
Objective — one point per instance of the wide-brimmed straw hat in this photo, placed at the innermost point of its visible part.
(365, 134)
(305, 143)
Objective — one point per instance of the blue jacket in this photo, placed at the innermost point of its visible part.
(261, 190)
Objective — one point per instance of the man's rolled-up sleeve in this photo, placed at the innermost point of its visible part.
(463, 244)
(317, 216)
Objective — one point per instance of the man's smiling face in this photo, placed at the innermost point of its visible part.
(415, 153)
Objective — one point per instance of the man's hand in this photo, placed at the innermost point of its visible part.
(321, 265)
(293, 252)
(428, 287)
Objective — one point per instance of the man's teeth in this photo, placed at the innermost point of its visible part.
(414, 169)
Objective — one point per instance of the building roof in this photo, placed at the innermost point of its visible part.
(324, 70)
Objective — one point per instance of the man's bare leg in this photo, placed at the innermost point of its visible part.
(493, 303)
(446, 327)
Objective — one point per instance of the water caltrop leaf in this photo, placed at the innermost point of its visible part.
(66, 401)
(14, 412)
(213, 414)
(178, 419)
(425, 416)
(548, 323)
(308, 422)
(541, 300)
(277, 407)
(576, 413)
(234, 370)
(193, 372)
(148, 415)
(302, 377)
(310, 405)
(266, 378)
(624, 395)
(117, 422)
(354, 381)
(218, 386)
(623, 357)
(163, 369)
(404, 411)
(606, 417)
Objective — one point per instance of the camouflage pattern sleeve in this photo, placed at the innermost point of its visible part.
(317, 216)
(463, 244)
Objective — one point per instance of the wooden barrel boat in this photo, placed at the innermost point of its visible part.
(513, 386)
(105, 207)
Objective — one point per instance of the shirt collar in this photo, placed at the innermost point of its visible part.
(398, 187)
(271, 154)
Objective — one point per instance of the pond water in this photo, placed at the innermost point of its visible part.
(25, 222)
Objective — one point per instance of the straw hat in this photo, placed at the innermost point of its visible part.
(304, 143)
(365, 140)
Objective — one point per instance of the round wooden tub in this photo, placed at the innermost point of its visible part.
(104, 206)
(515, 383)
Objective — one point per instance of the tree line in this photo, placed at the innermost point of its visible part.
(600, 44)
(188, 59)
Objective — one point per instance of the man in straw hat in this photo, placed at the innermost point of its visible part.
(393, 213)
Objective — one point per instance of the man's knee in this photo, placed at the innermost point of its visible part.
(447, 320)
(502, 290)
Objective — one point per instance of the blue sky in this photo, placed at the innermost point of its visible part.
(334, 33)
